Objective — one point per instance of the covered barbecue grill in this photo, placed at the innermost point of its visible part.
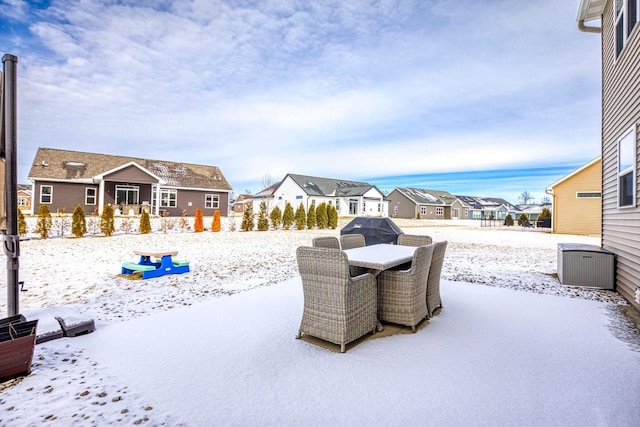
(375, 230)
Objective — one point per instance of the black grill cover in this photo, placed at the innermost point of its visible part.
(375, 230)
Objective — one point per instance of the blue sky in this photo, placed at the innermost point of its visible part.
(487, 98)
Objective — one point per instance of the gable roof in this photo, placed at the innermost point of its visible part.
(267, 192)
(328, 187)
(575, 172)
(66, 165)
(427, 197)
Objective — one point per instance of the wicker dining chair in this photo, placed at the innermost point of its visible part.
(326, 242)
(402, 294)
(414, 240)
(433, 284)
(350, 241)
(337, 307)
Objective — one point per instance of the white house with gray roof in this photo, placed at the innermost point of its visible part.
(350, 198)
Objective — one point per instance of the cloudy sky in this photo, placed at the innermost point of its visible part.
(488, 98)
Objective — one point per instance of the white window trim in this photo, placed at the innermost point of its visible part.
(168, 204)
(439, 211)
(86, 196)
(624, 15)
(213, 202)
(631, 132)
(50, 194)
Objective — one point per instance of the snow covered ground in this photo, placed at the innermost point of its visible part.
(198, 349)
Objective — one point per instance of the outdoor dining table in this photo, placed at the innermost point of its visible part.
(380, 257)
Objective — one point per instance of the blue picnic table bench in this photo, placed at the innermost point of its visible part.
(161, 264)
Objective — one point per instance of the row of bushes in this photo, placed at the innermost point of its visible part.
(106, 224)
(523, 219)
(323, 216)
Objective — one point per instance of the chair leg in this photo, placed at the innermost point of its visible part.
(342, 348)
(299, 335)
(413, 329)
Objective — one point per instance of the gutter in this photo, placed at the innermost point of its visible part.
(587, 29)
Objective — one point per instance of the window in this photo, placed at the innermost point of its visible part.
(127, 194)
(353, 206)
(46, 194)
(626, 17)
(168, 198)
(476, 214)
(588, 194)
(90, 196)
(211, 201)
(466, 213)
(379, 207)
(338, 205)
(627, 169)
(22, 201)
(423, 210)
(440, 211)
(395, 210)
(456, 212)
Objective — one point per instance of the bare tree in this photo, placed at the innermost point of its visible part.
(545, 200)
(526, 198)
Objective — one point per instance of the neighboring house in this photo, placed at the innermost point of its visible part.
(577, 201)
(479, 208)
(240, 202)
(532, 210)
(266, 196)
(420, 203)
(350, 198)
(620, 50)
(63, 179)
(24, 198)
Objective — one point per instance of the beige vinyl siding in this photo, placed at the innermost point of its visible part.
(620, 111)
(574, 215)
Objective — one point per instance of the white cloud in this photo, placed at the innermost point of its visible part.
(313, 87)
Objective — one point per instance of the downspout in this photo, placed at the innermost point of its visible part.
(549, 191)
(587, 29)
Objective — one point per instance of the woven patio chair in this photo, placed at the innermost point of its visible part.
(433, 284)
(326, 242)
(402, 294)
(414, 240)
(350, 241)
(337, 307)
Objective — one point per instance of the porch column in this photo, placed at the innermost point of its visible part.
(100, 196)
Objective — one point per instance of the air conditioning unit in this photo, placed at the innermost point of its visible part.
(585, 265)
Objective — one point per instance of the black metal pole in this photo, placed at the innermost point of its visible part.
(11, 238)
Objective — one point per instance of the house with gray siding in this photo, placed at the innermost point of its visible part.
(617, 22)
(480, 208)
(64, 179)
(420, 203)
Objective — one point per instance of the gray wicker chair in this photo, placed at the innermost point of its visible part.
(326, 242)
(337, 307)
(433, 284)
(402, 295)
(414, 240)
(350, 241)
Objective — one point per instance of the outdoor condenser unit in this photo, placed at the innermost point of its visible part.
(585, 265)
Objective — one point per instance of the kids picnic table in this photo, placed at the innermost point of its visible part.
(162, 263)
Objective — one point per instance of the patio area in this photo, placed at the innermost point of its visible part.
(491, 357)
